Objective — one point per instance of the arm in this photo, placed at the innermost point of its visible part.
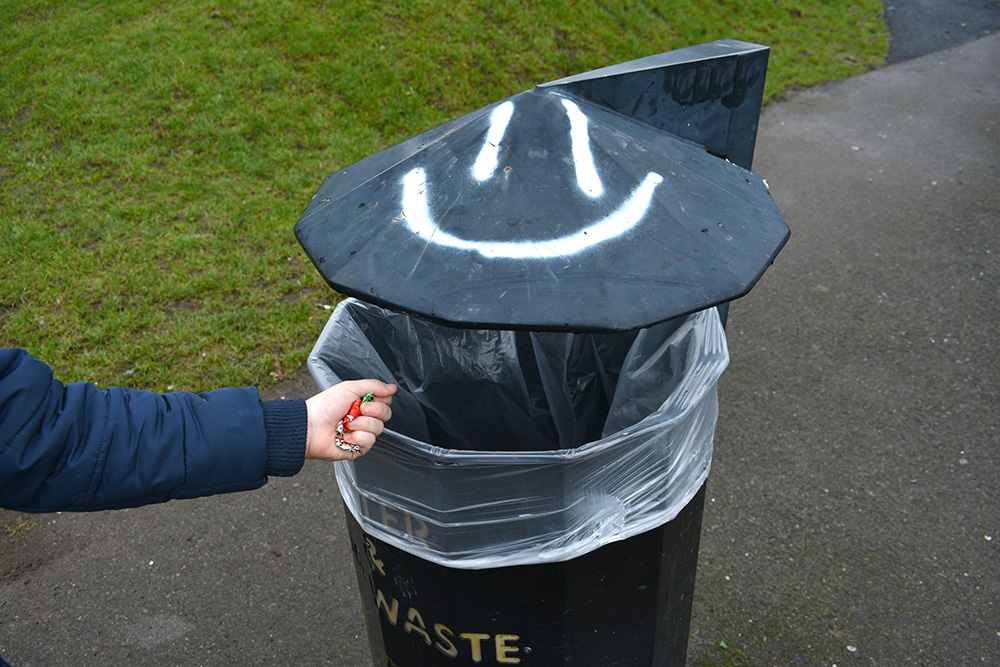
(74, 447)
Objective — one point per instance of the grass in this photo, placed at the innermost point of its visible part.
(154, 156)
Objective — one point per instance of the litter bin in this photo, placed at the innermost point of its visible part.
(541, 279)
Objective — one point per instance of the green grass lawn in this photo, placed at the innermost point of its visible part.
(154, 156)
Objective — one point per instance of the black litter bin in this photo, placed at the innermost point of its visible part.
(541, 277)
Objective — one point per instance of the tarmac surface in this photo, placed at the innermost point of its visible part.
(920, 27)
(853, 502)
(853, 513)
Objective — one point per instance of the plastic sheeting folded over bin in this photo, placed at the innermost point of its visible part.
(509, 448)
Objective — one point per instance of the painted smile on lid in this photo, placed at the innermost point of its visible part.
(421, 221)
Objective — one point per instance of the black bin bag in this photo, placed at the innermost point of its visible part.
(522, 447)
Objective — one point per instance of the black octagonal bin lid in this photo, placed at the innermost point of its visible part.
(560, 208)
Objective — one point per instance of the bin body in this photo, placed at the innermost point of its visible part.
(627, 603)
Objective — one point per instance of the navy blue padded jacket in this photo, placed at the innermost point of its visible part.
(75, 447)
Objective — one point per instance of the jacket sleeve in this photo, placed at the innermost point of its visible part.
(75, 447)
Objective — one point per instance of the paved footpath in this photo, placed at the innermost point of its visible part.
(853, 514)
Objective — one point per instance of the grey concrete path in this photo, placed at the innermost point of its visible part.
(854, 502)
(920, 27)
(853, 514)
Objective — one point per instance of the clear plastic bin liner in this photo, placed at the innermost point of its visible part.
(511, 448)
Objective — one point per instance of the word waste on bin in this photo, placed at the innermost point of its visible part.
(449, 638)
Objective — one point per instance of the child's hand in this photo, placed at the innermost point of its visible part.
(328, 408)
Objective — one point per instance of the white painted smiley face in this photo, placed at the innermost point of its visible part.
(418, 217)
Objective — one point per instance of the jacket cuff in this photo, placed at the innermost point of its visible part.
(286, 425)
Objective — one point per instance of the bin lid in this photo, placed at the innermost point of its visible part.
(544, 211)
